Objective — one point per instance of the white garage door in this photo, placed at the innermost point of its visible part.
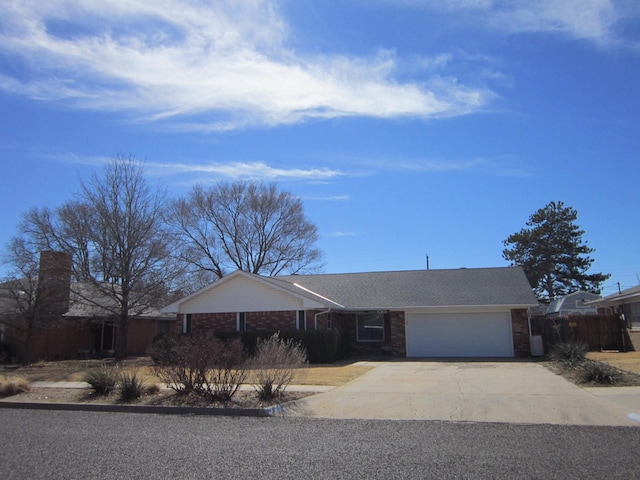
(459, 335)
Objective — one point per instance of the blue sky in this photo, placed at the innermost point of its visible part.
(408, 127)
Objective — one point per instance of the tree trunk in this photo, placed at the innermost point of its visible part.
(121, 338)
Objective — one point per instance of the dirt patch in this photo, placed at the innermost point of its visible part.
(629, 361)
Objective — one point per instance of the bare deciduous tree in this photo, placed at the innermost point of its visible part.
(115, 234)
(244, 226)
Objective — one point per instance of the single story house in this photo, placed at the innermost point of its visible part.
(72, 319)
(573, 304)
(627, 304)
(475, 312)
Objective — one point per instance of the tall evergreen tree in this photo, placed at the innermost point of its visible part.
(552, 253)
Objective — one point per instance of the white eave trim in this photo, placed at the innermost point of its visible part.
(318, 295)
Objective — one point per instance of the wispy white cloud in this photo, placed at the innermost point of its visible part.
(501, 166)
(214, 171)
(240, 170)
(204, 66)
(594, 20)
(210, 171)
(340, 234)
(330, 198)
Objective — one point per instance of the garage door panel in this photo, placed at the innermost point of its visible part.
(459, 335)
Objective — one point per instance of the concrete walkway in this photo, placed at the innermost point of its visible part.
(513, 392)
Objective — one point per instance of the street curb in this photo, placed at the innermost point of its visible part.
(157, 409)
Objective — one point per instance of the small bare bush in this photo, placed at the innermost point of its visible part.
(181, 362)
(202, 364)
(13, 385)
(228, 370)
(275, 362)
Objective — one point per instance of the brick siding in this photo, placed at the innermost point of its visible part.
(254, 321)
(520, 332)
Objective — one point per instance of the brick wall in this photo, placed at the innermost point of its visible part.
(278, 320)
(254, 321)
(520, 331)
(140, 335)
(398, 335)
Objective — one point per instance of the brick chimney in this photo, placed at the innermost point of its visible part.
(54, 282)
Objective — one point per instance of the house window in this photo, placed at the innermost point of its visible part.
(370, 327)
(634, 315)
(241, 324)
(164, 327)
(302, 320)
(186, 323)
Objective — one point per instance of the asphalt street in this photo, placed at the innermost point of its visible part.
(70, 445)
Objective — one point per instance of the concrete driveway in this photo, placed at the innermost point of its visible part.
(514, 392)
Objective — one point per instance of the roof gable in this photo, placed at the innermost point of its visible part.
(245, 292)
(576, 301)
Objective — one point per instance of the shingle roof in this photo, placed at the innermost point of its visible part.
(632, 293)
(421, 288)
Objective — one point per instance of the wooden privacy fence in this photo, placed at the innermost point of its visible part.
(600, 332)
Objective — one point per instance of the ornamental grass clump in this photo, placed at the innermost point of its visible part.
(103, 381)
(10, 386)
(131, 387)
(599, 373)
(571, 354)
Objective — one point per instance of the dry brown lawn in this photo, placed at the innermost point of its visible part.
(76, 371)
(629, 361)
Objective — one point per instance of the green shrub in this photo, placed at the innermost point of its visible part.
(599, 373)
(103, 381)
(131, 387)
(571, 354)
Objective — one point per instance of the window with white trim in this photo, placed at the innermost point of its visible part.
(634, 315)
(164, 327)
(370, 327)
(186, 323)
(241, 324)
(302, 320)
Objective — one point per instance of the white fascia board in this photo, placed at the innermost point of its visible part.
(327, 300)
(463, 308)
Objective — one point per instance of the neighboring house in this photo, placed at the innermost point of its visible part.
(573, 304)
(80, 325)
(627, 304)
(426, 313)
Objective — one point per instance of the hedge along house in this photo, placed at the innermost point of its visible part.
(424, 313)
